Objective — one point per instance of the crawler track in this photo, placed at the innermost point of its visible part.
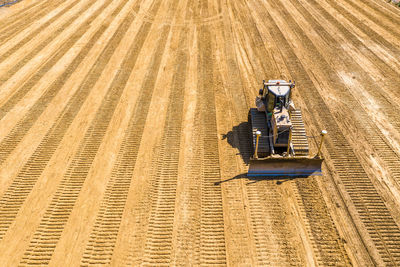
(124, 135)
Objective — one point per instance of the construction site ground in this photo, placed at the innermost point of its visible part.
(124, 136)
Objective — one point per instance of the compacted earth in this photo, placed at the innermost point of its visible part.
(124, 137)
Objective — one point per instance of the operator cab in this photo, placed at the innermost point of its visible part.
(275, 100)
(276, 94)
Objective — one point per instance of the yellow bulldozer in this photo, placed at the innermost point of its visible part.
(279, 139)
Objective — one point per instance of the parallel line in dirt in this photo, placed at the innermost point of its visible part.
(51, 227)
(319, 224)
(212, 234)
(374, 136)
(248, 27)
(272, 232)
(241, 98)
(262, 256)
(20, 31)
(385, 68)
(270, 237)
(22, 185)
(22, 13)
(36, 50)
(17, 25)
(100, 247)
(231, 107)
(135, 244)
(388, 7)
(22, 68)
(51, 71)
(379, 39)
(159, 234)
(10, 142)
(377, 15)
(356, 183)
(245, 34)
(186, 240)
(32, 34)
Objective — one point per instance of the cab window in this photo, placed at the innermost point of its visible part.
(280, 101)
(271, 102)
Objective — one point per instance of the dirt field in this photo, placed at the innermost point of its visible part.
(124, 135)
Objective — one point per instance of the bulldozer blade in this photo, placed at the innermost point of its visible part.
(285, 167)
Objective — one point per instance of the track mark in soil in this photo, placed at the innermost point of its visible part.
(22, 185)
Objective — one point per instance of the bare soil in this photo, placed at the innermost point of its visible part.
(124, 136)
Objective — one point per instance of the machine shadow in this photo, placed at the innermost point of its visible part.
(240, 138)
(279, 179)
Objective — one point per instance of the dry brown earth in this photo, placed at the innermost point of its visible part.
(124, 135)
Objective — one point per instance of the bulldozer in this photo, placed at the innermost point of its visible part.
(279, 140)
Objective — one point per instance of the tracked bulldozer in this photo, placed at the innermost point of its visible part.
(279, 139)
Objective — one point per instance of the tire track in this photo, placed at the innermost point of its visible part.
(269, 253)
(104, 234)
(20, 15)
(373, 134)
(159, 235)
(25, 59)
(51, 227)
(16, 25)
(10, 142)
(212, 235)
(22, 185)
(273, 239)
(327, 243)
(21, 29)
(239, 32)
(271, 228)
(6, 53)
(231, 105)
(384, 68)
(389, 8)
(21, 66)
(379, 39)
(374, 215)
(377, 16)
(243, 23)
(185, 241)
(199, 235)
(387, 69)
(141, 195)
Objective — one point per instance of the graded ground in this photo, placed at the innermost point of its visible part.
(124, 134)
